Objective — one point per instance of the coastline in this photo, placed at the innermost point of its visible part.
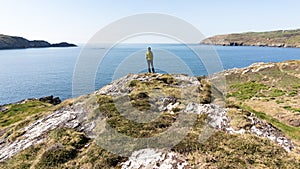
(248, 45)
(15, 42)
(278, 38)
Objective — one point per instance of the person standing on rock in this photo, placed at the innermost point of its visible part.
(149, 58)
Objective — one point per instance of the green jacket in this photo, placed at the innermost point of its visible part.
(149, 55)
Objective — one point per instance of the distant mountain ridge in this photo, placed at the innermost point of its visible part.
(279, 38)
(15, 42)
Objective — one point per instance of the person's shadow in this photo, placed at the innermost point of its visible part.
(156, 71)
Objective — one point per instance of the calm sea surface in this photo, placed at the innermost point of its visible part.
(33, 73)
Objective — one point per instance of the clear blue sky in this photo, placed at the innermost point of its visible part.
(78, 20)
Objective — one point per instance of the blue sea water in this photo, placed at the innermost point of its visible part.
(34, 73)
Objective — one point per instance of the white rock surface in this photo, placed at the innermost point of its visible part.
(217, 115)
(155, 159)
(35, 133)
(263, 129)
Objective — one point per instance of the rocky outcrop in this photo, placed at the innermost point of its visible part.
(155, 159)
(14, 42)
(76, 115)
(281, 38)
(50, 99)
(217, 118)
(3, 109)
(35, 133)
(263, 129)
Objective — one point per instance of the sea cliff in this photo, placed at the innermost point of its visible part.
(280, 38)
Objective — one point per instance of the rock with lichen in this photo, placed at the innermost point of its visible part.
(76, 133)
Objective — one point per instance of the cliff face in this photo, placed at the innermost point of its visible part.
(147, 107)
(281, 38)
(13, 42)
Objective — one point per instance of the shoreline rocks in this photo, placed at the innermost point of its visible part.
(47, 99)
(50, 99)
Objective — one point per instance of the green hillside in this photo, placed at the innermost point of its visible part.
(280, 38)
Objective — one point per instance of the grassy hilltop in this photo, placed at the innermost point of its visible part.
(261, 99)
(280, 38)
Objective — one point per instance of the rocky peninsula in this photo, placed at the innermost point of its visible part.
(280, 38)
(258, 127)
(14, 42)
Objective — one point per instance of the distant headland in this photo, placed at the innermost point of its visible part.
(14, 42)
(279, 38)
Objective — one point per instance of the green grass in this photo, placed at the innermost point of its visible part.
(143, 101)
(95, 157)
(19, 112)
(65, 148)
(276, 93)
(292, 132)
(20, 115)
(24, 159)
(247, 90)
(296, 86)
(293, 93)
(291, 108)
(223, 150)
(131, 128)
(256, 87)
(62, 145)
(133, 83)
(279, 101)
(242, 151)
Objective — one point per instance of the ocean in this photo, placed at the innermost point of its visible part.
(34, 73)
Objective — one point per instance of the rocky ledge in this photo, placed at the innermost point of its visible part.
(209, 142)
(14, 42)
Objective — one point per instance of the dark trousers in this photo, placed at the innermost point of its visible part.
(150, 62)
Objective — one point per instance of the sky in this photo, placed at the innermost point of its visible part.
(77, 21)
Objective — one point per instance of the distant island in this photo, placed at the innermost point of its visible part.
(14, 42)
(279, 38)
